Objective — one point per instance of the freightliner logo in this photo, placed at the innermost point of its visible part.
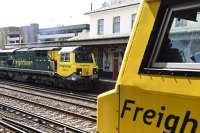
(152, 116)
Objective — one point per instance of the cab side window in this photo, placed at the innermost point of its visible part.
(180, 44)
(65, 57)
(176, 48)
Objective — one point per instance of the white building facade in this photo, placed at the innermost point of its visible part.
(114, 20)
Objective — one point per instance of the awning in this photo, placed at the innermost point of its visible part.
(104, 41)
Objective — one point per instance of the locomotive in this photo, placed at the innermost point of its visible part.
(68, 67)
(157, 90)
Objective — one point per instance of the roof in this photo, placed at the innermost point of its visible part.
(93, 41)
(37, 49)
(68, 49)
(76, 38)
(7, 50)
(115, 6)
(43, 49)
(22, 49)
(28, 49)
(68, 28)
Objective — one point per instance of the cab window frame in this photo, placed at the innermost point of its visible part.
(161, 28)
(64, 59)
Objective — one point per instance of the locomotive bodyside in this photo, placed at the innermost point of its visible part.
(153, 94)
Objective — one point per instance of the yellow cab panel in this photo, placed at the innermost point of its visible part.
(158, 86)
(64, 64)
(64, 61)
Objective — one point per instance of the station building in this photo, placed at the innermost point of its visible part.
(113, 21)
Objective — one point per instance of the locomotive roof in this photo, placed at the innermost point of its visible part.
(68, 49)
(43, 49)
(62, 50)
(7, 50)
(23, 49)
(29, 49)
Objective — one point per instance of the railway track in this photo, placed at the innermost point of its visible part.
(43, 104)
(8, 126)
(18, 127)
(79, 112)
(23, 119)
(62, 116)
(70, 98)
(54, 91)
(17, 92)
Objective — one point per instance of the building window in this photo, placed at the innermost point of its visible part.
(11, 41)
(100, 28)
(181, 22)
(116, 24)
(132, 20)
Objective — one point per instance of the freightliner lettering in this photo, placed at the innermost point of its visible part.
(150, 116)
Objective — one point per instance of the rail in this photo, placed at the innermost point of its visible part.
(42, 120)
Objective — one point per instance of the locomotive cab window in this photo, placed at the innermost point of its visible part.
(83, 57)
(65, 57)
(176, 47)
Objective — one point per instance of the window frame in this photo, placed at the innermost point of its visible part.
(116, 24)
(149, 65)
(100, 26)
(81, 61)
(64, 60)
(132, 20)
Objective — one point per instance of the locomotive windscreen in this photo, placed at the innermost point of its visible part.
(83, 57)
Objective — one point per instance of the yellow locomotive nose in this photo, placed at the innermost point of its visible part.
(87, 72)
(84, 71)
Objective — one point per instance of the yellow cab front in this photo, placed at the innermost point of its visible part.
(158, 88)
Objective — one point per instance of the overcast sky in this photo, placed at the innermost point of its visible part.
(47, 13)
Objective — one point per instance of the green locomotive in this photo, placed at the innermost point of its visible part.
(50, 65)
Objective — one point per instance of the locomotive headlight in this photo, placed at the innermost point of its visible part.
(78, 71)
(95, 71)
